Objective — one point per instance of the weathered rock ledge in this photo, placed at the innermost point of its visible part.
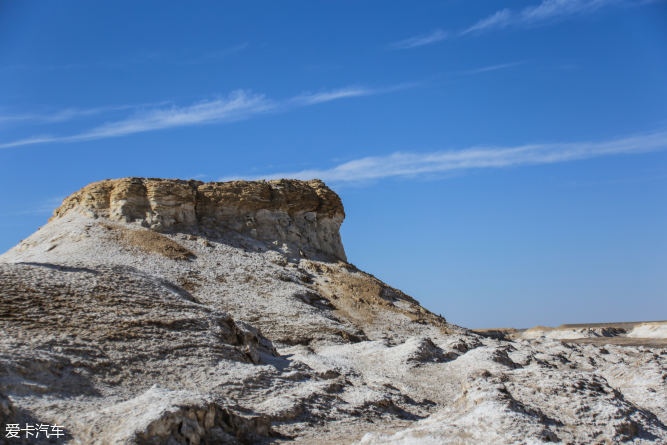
(307, 214)
(135, 336)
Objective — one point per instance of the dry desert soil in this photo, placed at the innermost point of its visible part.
(155, 311)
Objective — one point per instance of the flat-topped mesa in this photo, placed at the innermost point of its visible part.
(307, 214)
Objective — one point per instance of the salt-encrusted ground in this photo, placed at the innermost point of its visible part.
(124, 337)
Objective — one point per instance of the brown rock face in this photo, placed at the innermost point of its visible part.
(305, 214)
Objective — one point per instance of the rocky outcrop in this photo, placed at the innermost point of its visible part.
(304, 214)
(160, 416)
(153, 311)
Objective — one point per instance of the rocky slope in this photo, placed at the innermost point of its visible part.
(155, 311)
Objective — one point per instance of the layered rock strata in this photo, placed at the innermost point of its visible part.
(303, 214)
(153, 311)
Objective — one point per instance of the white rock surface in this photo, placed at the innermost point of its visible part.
(649, 330)
(127, 335)
(570, 333)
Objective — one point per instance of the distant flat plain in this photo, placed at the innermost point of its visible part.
(624, 333)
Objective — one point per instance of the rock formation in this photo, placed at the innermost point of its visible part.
(151, 311)
(304, 214)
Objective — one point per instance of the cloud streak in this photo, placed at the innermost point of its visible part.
(533, 15)
(541, 13)
(239, 105)
(236, 106)
(328, 96)
(421, 40)
(68, 114)
(486, 69)
(403, 164)
(345, 93)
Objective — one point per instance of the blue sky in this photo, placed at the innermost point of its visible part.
(505, 165)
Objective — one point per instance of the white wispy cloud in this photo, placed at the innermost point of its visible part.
(344, 93)
(420, 40)
(498, 19)
(404, 164)
(328, 96)
(237, 106)
(68, 114)
(486, 69)
(543, 12)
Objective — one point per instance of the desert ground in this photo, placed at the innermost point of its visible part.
(151, 311)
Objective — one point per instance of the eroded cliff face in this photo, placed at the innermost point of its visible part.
(304, 214)
(199, 329)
